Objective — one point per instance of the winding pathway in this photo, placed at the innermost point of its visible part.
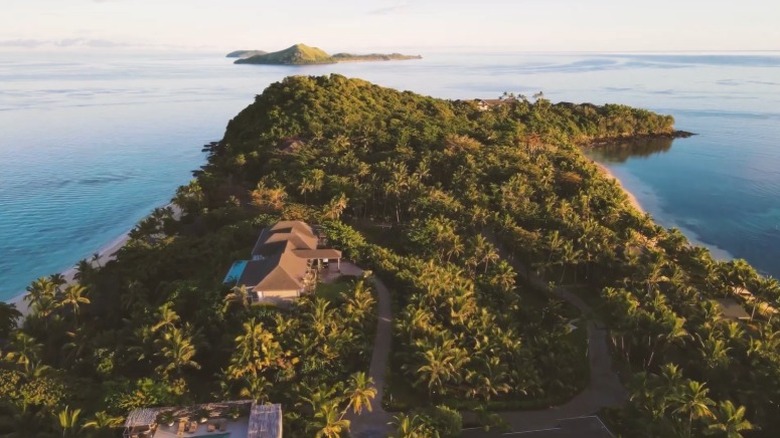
(604, 388)
(374, 424)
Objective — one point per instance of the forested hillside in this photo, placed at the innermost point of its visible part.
(434, 196)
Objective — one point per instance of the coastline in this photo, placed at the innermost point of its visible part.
(631, 198)
(106, 254)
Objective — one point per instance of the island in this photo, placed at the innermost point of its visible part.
(245, 53)
(446, 262)
(301, 54)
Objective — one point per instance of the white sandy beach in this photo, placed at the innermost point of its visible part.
(105, 255)
(631, 198)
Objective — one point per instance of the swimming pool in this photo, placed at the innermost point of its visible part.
(235, 272)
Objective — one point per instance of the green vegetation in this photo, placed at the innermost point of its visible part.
(433, 196)
(301, 54)
(348, 57)
(244, 53)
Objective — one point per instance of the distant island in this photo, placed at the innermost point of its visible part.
(245, 53)
(301, 54)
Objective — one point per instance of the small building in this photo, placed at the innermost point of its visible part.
(285, 263)
(731, 309)
(234, 419)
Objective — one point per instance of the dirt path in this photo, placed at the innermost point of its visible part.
(374, 424)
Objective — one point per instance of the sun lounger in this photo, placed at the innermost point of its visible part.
(193, 427)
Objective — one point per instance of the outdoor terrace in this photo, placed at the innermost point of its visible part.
(234, 419)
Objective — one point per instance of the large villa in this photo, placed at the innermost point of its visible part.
(285, 263)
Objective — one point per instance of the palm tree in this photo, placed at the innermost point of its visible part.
(238, 295)
(569, 257)
(693, 400)
(83, 270)
(359, 392)
(176, 347)
(360, 303)
(25, 422)
(168, 317)
(729, 421)
(25, 351)
(68, 421)
(57, 279)
(103, 424)
(256, 388)
(330, 423)
(39, 289)
(256, 349)
(44, 307)
(441, 364)
(503, 276)
(73, 296)
(321, 317)
(8, 318)
(333, 209)
(412, 427)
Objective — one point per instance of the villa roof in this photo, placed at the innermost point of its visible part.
(296, 233)
(731, 309)
(322, 253)
(281, 257)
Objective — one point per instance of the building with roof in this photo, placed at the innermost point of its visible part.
(285, 262)
(731, 309)
(234, 419)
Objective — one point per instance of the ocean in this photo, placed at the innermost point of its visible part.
(91, 142)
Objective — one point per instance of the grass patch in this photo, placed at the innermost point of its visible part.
(332, 291)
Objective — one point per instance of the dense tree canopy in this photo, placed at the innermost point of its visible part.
(443, 200)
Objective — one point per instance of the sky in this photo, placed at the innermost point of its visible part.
(339, 25)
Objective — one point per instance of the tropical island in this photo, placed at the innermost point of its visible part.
(463, 265)
(244, 53)
(301, 54)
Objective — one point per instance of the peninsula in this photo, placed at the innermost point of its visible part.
(301, 54)
(429, 257)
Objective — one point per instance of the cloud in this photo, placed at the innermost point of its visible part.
(28, 43)
(386, 10)
(66, 42)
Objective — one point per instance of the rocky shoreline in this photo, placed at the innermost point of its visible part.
(623, 139)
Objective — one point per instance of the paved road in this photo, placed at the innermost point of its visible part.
(374, 424)
(604, 388)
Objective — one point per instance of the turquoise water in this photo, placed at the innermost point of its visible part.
(91, 143)
(236, 269)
